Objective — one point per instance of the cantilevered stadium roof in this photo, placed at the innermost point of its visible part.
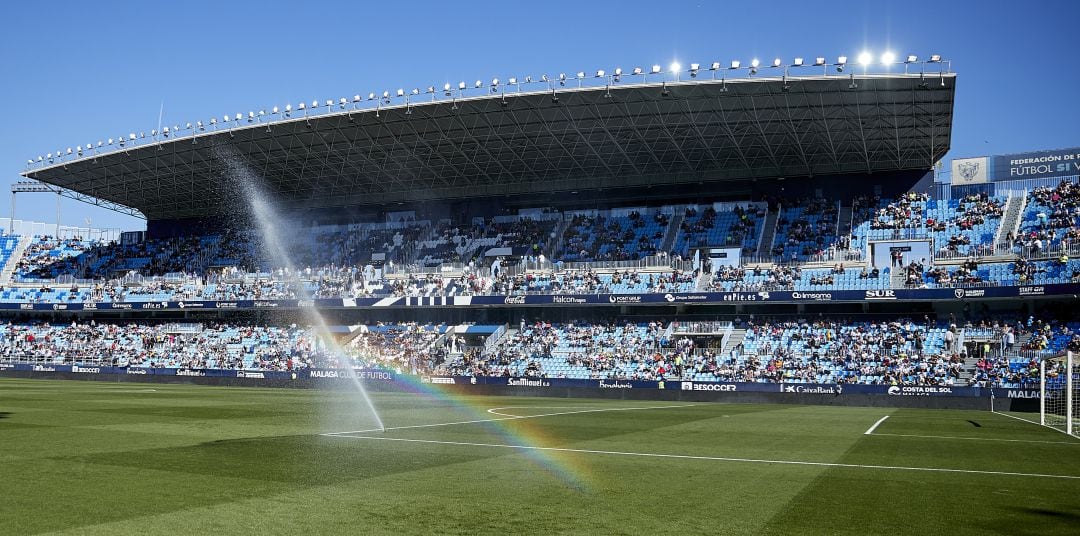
(515, 143)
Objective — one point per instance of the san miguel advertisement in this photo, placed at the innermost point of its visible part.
(1034, 165)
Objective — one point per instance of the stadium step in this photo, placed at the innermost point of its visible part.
(13, 260)
(1010, 222)
(844, 221)
(673, 230)
(735, 339)
(768, 233)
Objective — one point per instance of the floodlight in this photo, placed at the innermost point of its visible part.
(494, 82)
(637, 70)
(694, 67)
(29, 162)
(865, 58)
(238, 117)
(776, 62)
(675, 67)
(935, 58)
(39, 159)
(818, 62)
(461, 86)
(735, 64)
(797, 63)
(342, 101)
(415, 91)
(715, 66)
(888, 58)
(314, 104)
(386, 94)
(528, 79)
(355, 98)
(201, 127)
(110, 143)
(288, 107)
(400, 92)
(599, 73)
(581, 74)
(69, 148)
(479, 83)
(655, 69)
(132, 135)
(371, 96)
(543, 78)
(754, 62)
(512, 81)
(213, 121)
(446, 86)
(300, 106)
(911, 59)
(251, 116)
(618, 71)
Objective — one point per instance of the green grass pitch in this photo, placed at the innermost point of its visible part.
(128, 458)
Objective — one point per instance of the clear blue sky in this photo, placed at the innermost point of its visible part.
(76, 72)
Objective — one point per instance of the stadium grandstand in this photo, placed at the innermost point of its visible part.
(568, 203)
(784, 233)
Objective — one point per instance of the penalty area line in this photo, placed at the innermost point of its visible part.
(507, 418)
(717, 458)
(874, 427)
(1031, 422)
(978, 439)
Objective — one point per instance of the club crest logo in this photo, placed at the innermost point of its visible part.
(969, 170)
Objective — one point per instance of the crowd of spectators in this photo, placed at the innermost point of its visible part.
(407, 347)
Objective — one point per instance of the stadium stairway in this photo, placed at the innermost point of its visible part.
(736, 338)
(673, 230)
(897, 279)
(768, 232)
(703, 280)
(1010, 222)
(13, 260)
(843, 218)
(553, 245)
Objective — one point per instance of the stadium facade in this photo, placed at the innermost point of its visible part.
(791, 230)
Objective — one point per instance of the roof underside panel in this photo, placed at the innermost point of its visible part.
(521, 143)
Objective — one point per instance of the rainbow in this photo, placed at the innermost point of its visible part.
(566, 468)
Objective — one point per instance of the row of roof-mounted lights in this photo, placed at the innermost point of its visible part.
(864, 59)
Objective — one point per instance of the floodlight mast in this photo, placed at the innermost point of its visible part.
(27, 187)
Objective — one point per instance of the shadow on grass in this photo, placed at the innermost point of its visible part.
(303, 460)
(1056, 514)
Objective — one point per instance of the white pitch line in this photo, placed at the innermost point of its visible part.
(980, 439)
(718, 458)
(500, 419)
(1031, 422)
(494, 411)
(874, 427)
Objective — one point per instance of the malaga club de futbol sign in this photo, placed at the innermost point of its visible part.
(1036, 165)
